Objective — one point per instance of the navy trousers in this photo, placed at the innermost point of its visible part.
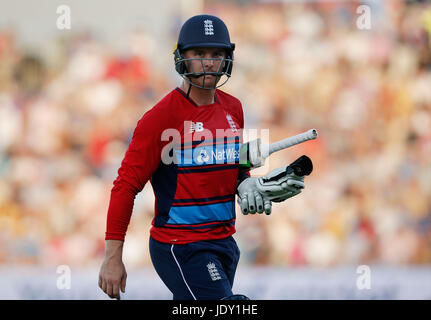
(202, 270)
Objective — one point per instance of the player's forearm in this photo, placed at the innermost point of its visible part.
(142, 158)
(114, 249)
(120, 210)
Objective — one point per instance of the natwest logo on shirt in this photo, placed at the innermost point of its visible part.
(203, 156)
(216, 155)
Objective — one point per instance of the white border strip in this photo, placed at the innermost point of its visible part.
(172, 250)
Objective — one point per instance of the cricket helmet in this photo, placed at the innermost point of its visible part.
(203, 31)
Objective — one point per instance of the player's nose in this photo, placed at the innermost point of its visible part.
(208, 62)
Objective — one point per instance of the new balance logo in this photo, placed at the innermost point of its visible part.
(208, 27)
(196, 127)
(214, 274)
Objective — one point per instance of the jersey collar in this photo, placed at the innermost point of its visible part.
(194, 103)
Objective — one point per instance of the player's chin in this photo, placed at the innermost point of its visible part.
(209, 81)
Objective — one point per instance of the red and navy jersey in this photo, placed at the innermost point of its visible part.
(190, 154)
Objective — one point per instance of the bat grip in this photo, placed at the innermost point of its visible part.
(289, 142)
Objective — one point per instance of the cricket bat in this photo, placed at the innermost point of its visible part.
(253, 154)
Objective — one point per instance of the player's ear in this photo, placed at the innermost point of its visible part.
(181, 66)
(227, 64)
(224, 56)
(187, 54)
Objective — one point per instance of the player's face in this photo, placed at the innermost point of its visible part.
(206, 62)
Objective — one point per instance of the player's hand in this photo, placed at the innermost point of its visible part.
(250, 200)
(112, 277)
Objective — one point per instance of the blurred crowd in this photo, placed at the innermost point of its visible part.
(67, 116)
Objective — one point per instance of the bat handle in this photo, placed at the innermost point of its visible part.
(289, 142)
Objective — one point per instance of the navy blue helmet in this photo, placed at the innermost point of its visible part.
(203, 31)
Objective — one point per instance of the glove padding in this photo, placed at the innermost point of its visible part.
(250, 200)
(280, 184)
(257, 194)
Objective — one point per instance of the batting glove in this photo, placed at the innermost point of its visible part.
(278, 185)
(250, 200)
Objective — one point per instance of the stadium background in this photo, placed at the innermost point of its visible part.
(70, 99)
